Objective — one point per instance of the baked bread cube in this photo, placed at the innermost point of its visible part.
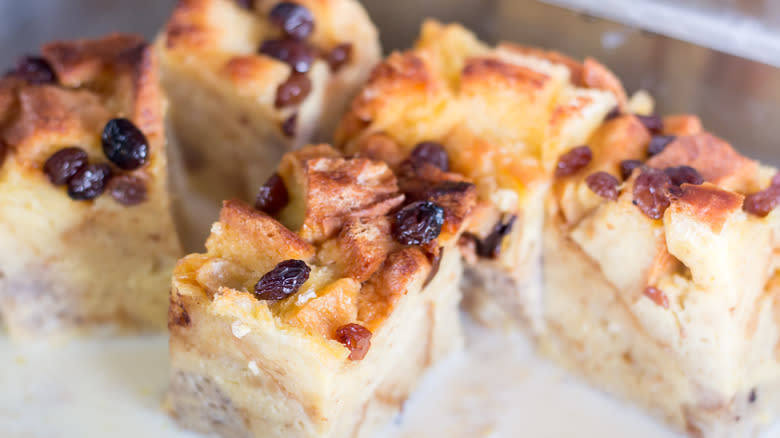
(87, 242)
(315, 312)
(500, 116)
(662, 275)
(250, 80)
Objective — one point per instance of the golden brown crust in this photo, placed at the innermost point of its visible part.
(682, 124)
(575, 68)
(715, 159)
(380, 294)
(496, 73)
(100, 79)
(709, 204)
(596, 75)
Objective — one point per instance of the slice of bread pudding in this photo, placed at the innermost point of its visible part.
(661, 275)
(499, 116)
(315, 312)
(250, 80)
(86, 237)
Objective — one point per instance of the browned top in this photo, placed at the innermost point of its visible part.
(115, 76)
(715, 159)
(709, 204)
(339, 220)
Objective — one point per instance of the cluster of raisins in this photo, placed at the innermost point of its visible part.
(124, 145)
(296, 23)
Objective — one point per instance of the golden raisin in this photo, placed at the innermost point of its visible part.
(356, 338)
(603, 184)
(573, 161)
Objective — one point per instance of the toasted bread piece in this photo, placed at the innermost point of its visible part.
(243, 91)
(97, 254)
(260, 349)
(503, 115)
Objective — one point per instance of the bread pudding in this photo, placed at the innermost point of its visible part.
(85, 229)
(502, 115)
(314, 312)
(250, 80)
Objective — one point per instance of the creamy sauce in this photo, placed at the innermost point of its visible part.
(496, 388)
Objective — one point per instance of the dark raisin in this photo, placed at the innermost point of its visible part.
(127, 190)
(64, 164)
(295, 20)
(653, 123)
(293, 91)
(753, 396)
(418, 223)
(35, 70)
(573, 161)
(613, 114)
(657, 295)
(3, 151)
(297, 54)
(124, 144)
(603, 184)
(246, 4)
(282, 281)
(431, 153)
(658, 143)
(684, 175)
(490, 246)
(89, 182)
(339, 56)
(272, 196)
(627, 168)
(650, 192)
(289, 125)
(762, 203)
(356, 338)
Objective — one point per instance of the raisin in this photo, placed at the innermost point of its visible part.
(627, 168)
(603, 184)
(282, 281)
(418, 223)
(297, 54)
(127, 190)
(289, 125)
(89, 182)
(653, 123)
(762, 203)
(684, 175)
(246, 4)
(657, 295)
(124, 144)
(613, 114)
(573, 161)
(296, 21)
(35, 70)
(650, 192)
(272, 196)
(431, 153)
(753, 396)
(490, 246)
(64, 164)
(356, 338)
(293, 91)
(658, 143)
(339, 56)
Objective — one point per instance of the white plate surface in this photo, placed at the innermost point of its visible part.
(496, 388)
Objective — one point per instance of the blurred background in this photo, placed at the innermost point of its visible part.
(719, 59)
